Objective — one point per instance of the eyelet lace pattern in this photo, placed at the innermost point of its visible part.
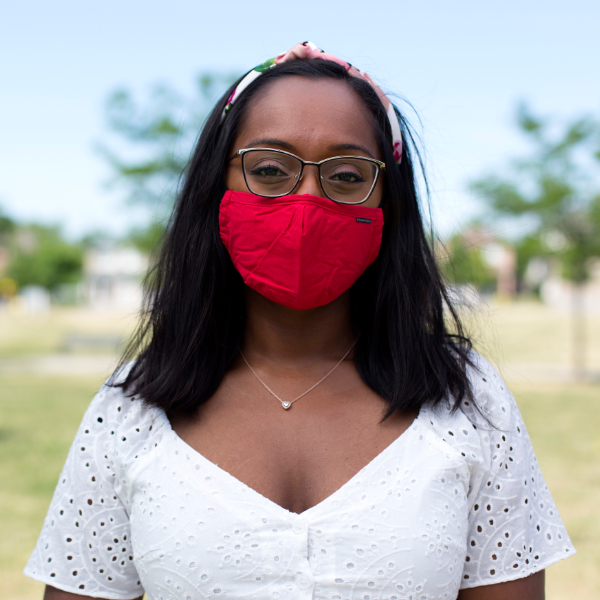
(457, 501)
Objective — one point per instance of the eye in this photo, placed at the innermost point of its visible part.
(265, 170)
(347, 174)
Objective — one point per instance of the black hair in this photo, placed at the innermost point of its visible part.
(193, 317)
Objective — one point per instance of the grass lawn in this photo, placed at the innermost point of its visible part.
(38, 420)
(23, 336)
(529, 332)
(563, 422)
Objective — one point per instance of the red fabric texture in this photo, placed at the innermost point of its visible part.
(301, 251)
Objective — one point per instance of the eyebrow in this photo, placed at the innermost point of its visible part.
(291, 148)
(352, 147)
(271, 142)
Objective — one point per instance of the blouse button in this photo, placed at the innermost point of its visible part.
(299, 527)
(303, 582)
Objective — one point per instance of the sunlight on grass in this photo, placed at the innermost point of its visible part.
(530, 333)
(22, 336)
(38, 421)
(563, 422)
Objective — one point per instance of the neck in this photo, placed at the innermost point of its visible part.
(279, 334)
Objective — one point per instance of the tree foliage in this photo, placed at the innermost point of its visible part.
(7, 225)
(155, 137)
(40, 256)
(146, 239)
(465, 264)
(556, 188)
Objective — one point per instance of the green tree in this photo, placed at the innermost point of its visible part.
(155, 138)
(146, 239)
(464, 264)
(556, 190)
(40, 256)
(7, 225)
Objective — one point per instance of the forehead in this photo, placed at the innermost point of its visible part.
(310, 115)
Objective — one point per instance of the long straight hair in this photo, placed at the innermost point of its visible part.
(193, 317)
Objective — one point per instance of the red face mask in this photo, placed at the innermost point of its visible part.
(301, 251)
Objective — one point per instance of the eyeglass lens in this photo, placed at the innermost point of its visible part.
(271, 173)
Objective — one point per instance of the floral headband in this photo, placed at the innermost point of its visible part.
(308, 51)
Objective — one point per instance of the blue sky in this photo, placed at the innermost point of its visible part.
(464, 65)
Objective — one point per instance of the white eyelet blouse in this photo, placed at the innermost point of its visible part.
(454, 502)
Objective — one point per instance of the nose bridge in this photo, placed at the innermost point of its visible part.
(309, 182)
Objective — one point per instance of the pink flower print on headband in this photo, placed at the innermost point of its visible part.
(308, 51)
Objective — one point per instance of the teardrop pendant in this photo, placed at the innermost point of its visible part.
(286, 405)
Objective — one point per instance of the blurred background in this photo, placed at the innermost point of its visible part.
(100, 107)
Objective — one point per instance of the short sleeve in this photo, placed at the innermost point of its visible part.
(514, 526)
(85, 544)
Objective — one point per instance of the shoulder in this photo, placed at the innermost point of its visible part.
(493, 400)
(485, 426)
(114, 409)
(122, 424)
(87, 522)
(493, 405)
(514, 526)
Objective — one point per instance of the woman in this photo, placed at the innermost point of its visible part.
(299, 422)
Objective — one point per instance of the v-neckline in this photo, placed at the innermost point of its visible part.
(277, 507)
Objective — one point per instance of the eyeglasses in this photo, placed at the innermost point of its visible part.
(275, 173)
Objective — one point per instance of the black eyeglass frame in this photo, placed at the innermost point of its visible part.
(380, 165)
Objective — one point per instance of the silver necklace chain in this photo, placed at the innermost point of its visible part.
(286, 404)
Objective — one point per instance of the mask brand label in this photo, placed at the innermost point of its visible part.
(361, 220)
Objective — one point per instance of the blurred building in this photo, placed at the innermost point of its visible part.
(112, 278)
(33, 300)
(561, 295)
(497, 256)
(503, 260)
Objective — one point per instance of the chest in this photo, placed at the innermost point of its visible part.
(397, 528)
(298, 457)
